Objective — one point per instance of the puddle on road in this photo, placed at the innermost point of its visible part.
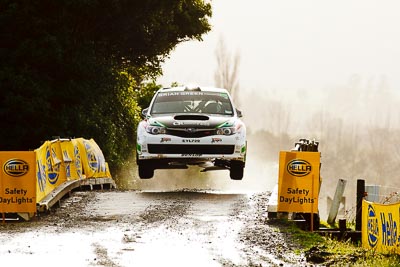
(162, 247)
(46, 249)
(258, 177)
(204, 235)
(120, 247)
(207, 203)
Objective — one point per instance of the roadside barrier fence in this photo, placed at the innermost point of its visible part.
(33, 181)
(380, 218)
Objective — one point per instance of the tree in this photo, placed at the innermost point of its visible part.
(77, 68)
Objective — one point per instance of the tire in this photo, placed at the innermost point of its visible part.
(146, 171)
(236, 170)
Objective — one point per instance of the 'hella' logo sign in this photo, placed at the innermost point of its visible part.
(373, 227)
(16, 167)
(299, 167)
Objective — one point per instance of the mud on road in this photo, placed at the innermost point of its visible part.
(133, 228)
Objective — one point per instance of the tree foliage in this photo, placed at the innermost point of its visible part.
(79, 67)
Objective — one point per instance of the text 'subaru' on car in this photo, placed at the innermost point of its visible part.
(191, 126)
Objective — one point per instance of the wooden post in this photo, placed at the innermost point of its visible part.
(312, 204)
(336, 201)
(360, 196)
(342, 225)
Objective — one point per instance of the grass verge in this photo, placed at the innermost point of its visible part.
(330, 252)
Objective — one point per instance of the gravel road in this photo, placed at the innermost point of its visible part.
(135, 228)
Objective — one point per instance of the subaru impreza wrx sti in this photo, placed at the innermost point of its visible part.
(191, 126)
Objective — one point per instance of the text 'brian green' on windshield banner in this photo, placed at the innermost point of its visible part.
(299, 181)
(17, 181)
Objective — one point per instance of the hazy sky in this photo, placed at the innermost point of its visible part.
(336, 48)
(296, 43)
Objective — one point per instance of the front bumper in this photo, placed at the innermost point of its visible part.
(231, 147)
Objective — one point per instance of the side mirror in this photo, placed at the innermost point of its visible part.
(144, 112)
(239, 113)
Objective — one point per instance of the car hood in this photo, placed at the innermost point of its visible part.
(191, 121)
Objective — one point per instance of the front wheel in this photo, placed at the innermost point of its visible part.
(146, 171)
(236, 170)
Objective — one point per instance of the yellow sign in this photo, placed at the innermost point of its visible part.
(17, 182)
(93, 161)
(50, 173)
(380, 227)
(298, 182)
(71, 159)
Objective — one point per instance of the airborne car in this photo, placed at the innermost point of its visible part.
(191, 126)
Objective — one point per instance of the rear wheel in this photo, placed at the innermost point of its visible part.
(146, 171)
(236, 170)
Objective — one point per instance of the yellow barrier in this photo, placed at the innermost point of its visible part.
(380, 227)
(50, 172)
(71, 159)
(299, 181)
(94, 164)
(67, 159)
(29, 177)
(17, 182)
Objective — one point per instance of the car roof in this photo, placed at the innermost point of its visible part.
(194, 88)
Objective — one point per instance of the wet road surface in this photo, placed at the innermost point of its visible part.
(133, 228)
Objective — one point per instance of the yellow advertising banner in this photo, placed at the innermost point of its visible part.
(50, 170)
(27, 177)
(17, 181)
(42, 165)
(61, 160)
(57, 164)
(100, 165)
(93, 161)
(299, 181)
(379, 229)
(71, 159)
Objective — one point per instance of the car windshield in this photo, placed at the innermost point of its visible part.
(192, 102)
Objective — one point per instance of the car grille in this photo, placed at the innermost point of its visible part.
(186, 134)
(191, 149)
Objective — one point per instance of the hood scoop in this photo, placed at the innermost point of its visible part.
(191, 117)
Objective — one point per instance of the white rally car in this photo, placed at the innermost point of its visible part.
(191, 126)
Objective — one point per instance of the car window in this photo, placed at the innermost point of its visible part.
(192, 102)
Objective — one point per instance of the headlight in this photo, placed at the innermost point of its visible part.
(230, 129)
(226, 131)
(155, 130)
(155, 127)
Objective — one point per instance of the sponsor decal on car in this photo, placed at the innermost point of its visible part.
(190, 141)
(165, 139)
(191, 155)
(216, 140)
(179, 93)
(195, 123)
